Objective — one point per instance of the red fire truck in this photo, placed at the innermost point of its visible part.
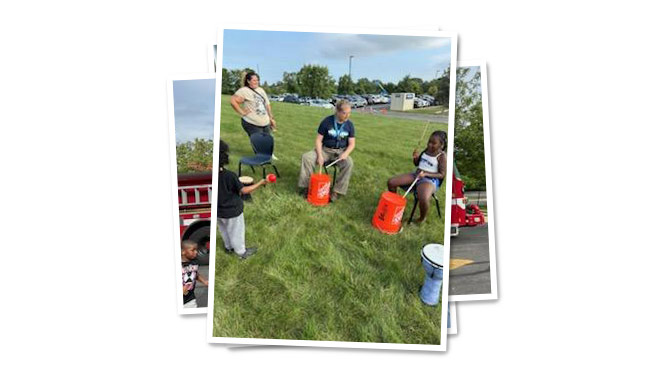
(463, 215)
(194, 200)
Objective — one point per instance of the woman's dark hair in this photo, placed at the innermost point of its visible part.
(442, 136)
(250, 74)
(223, 153)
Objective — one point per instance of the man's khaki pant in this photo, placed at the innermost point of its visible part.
(309, 165)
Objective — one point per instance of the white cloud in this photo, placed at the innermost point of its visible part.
(342, 45)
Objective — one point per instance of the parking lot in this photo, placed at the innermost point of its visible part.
(469, 261)
(384, 110)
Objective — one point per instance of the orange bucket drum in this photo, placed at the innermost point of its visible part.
(319, 189)
(388, 214)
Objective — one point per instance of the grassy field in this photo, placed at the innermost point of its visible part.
(324, 273)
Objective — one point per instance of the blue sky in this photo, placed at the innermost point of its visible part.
(385, 57)
(193, 101)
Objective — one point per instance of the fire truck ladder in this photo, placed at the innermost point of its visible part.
(184, 196)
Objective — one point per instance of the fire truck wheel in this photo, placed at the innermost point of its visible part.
(202, 237)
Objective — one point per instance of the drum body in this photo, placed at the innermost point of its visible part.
(389, 212)
(432, 263)
(246, 181)
(319, 189)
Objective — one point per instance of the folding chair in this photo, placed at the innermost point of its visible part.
(263, 145)
(416, 203)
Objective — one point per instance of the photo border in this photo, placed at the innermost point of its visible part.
(452, 330)
(489, 186)
(174, 189)
(448, 189)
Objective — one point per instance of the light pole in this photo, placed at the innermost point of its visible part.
(350, 62)
(435, 75)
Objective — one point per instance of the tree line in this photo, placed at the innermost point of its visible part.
(194, 156)
(469, 130)
(316, 81)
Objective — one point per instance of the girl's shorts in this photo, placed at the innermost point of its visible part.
(434, 181)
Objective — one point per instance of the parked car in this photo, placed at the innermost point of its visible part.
(420, 103)
(321, 103)
(430, 99)
(291, 99)
(357, 101)
(373, 99)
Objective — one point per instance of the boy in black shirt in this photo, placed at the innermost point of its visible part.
(190, 274)
(230, 207)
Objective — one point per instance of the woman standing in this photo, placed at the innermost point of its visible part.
(251, 102)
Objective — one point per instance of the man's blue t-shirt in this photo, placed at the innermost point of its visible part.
(335, 135)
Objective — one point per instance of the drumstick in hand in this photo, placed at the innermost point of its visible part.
(423, 134)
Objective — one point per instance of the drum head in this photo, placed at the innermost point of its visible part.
(434, 253)
(246, 179)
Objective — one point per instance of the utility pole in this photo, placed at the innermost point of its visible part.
(350, 62)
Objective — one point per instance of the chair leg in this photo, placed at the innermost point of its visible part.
(276, 171)
(437, 206)
(239, 169)
(264, 172)
(412, 212)
(252, 169)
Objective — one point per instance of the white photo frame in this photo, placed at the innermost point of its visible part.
(175, 188)
(489, 194)
(452, 329)
(212, 59)
(447, 214)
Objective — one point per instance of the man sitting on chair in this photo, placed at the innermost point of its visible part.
(335, 140)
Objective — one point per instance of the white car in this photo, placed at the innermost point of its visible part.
(321, 103)
(420, 103)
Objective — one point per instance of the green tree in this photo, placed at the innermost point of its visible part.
(390, 87)
(443, 84)
(469, 130)
(226, 82)
(432, 90)
(345, 85)
(291, 84)
(231, 80)
(365, 86)
(315, 81)
(194, 156)
(409, 84)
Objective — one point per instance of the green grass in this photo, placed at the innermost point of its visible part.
(324, 273)
(438, 109)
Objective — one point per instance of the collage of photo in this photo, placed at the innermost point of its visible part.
(322, 197)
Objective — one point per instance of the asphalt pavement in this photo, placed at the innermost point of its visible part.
(201, 291)
(469, 261)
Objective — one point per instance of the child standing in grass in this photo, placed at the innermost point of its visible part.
(431, 166)
(190, 274)
(230, 207)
